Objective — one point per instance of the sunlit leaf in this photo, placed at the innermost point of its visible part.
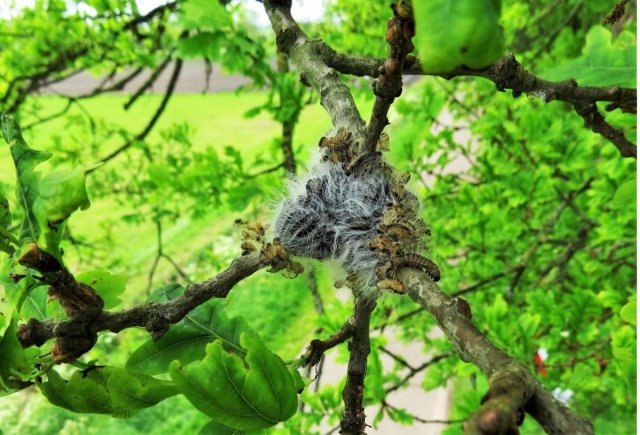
(256, 393)
(109, 286)
(604, 61)
(629, 312)
(625, 195)
(25, 160)
(204, 14)
(105, 390)
(13, 361)
(186, 340)
(454, 33)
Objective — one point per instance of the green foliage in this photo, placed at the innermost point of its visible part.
(186, 341)
(629, 312)
(60, 193)
(5, 224)
(109, 286)
(214, 428)
(105, 390)
(13, 361)
(455, 33)
(625, 194)
(254, 393)
(605, 61)
(25, 160)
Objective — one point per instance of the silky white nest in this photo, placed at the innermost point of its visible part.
(331, 215)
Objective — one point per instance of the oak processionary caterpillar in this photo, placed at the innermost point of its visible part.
(354, 218)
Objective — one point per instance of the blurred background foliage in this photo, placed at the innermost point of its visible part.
(521, 198)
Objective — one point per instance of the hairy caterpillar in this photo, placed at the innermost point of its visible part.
(418, 262)
(356, 211)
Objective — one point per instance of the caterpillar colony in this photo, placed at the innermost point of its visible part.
(355, 209)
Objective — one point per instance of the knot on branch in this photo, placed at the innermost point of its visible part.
(75, 297)
(34, 333)
(69, 348)
(502, 409)
(505, 72)
(157, 324)
(285, 39)
(317, 348)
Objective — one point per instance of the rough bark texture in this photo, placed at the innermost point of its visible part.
(335, 96)
(155, 317)
(512, 386)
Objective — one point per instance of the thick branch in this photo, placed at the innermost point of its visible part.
(501, 407)
(305, 55)
(353, 420)
(155, 317)
(508, 73)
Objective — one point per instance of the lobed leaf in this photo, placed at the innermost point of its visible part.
(25, 160)
(106, 390)
(256, 393)
(605, 61)
(13, 361)
(187, 339)
(108, 285)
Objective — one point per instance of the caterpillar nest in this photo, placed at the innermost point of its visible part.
(355, 210)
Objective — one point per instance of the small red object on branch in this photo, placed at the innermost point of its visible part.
(538, 360)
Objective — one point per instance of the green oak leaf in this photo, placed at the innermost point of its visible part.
(626, 194)
(605, 61)
(60, 193)
(25, 160)
(629, 312)
(34, 305)
(198, 14)
(204, 44)
(106, 390)
(186, 340)
(5, 223)
(109, 286)
(454, 33)
(215, 428)
(166, 293)
(255, 393)
(13, 361)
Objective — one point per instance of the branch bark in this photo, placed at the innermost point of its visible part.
(335, 96)
(508, 73)
(155, 317)
(512, 386)
(353, 420)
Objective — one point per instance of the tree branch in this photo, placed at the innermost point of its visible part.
(512, 386)
(317, 347)
(163, 105)
(335, 96)
(508, 73)
(353, 420)
(155, 317)
(388, 86)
